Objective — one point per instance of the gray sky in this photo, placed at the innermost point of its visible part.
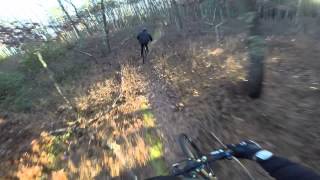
(35, 10)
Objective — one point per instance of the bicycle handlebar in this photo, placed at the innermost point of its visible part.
(198, 163)
(221, 154)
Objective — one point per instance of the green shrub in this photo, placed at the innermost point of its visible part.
(53, 50)
(30, 87)
(50, 51)
(30, 64)
(18, 93)
(2, 58)
(22, 104)
(13, 94)
(69, 70)
(21, 101)
(10, 84)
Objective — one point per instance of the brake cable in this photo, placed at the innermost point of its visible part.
(234, 158)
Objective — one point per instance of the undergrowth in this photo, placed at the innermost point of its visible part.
(10, 83)
(47, 157)
(30, 87)
(56, 148)
(2, 58)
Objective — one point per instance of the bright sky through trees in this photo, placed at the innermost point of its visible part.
(35, 10)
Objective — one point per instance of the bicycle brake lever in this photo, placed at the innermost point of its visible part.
(229, 155)
(176, 165)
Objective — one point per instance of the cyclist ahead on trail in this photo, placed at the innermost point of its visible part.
(278, 167)
(144, 38)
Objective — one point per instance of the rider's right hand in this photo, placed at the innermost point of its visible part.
(246, 149)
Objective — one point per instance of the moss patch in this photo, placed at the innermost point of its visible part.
(156, 146)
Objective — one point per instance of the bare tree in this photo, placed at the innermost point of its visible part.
(250, 4)
(111, 5)
(299, 11)
(80, 18)
(105, 26)
(177, 14)
(69, 18)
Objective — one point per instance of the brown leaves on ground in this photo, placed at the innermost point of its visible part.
(40, 157)
(192, 68)
(59, 175)
(112, 144)
(99, 95)
(115, 141)
(28, 173)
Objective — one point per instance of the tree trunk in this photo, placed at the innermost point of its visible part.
(177, 14)
(105, 25)
(250, 5)
(69, 18)
(299, 11)
(79, 17)
(92, 20)
(227, 6)
(198, 10)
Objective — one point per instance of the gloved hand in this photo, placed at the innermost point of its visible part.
(246, 149)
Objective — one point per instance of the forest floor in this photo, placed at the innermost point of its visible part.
(129, 115)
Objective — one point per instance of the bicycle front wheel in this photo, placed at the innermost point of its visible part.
(144, 55)
(191, 150)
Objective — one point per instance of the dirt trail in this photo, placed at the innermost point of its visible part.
(170, 120)
(165, 105)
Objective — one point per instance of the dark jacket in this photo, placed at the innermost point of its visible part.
(283, 169)
(144, 37)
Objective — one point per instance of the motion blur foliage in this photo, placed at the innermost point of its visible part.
(51, 51)
(13, 92)
(30, 87)
(2, 58)
(10, 83)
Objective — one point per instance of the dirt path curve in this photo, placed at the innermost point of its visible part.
(173, 119)
(163, 102)
(170, 120)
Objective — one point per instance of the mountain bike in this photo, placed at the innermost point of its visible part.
(144, 54)
(198, 165)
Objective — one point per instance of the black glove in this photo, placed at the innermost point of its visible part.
(246, 149)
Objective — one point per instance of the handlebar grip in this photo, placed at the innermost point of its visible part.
(221, 154)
